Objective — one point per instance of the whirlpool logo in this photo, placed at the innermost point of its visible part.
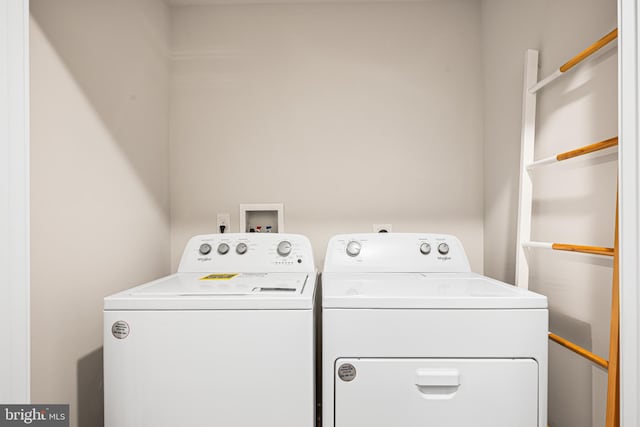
(36, 415)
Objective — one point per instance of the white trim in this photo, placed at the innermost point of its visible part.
(539, 245)
(542, 83)
(557, 73)
(542, 162)
(629, 178)
(554, 159)
(527, 141)
(14, 201)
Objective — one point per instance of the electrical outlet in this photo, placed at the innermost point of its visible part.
(224, 219)
(382, 228)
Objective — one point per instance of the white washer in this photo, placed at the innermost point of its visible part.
(226, 341)
(413, 338)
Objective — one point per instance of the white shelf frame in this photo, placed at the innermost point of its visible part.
(629, 198)
(14, 202)
(527, 141)
(531, 87)
(629, 178)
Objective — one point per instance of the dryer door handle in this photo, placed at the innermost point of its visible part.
(438, 378)
(438, 383)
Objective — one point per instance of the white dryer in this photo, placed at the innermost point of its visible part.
(412, 338)
(226, 341)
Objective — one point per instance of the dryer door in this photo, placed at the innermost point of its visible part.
(436, 392)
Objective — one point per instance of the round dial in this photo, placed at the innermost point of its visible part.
(284, 248)
(223, 248)
(353, 248)
(205, 248)
(443, 248)
(241, 248)
(425, 248)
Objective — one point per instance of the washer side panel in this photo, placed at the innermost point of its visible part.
(178, 368)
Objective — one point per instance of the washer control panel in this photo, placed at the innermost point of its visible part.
(247, 252)
(396, 252)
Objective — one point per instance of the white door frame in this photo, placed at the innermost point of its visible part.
(14, 202)
(14, 205)
(629, 178)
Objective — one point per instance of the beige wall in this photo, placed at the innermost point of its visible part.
(349, 114)
(573, 203)
(99, 205)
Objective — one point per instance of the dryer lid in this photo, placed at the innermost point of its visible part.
(226, 291)
(424, 291)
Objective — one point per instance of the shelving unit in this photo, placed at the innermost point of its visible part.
(527, 163)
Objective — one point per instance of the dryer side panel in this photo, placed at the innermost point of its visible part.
(438, 334)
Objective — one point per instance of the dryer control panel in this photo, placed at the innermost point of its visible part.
(247, 253)
(396, 252)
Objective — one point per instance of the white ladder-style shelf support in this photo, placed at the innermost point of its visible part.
(602, 148)
(527, 140)
(525, 204)
(602, 45)
(582, 249)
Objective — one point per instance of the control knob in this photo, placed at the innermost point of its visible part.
(223, 248)
(241, 248)
(353, 248)
(425, 248)
(205, 248)
(443, 248)
(284, 248)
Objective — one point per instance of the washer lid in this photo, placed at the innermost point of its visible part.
(219, 291)
(424, 290)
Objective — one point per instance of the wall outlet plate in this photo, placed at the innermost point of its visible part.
(223, 219)
(382, 228)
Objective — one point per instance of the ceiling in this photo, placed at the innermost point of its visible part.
(214, 2)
